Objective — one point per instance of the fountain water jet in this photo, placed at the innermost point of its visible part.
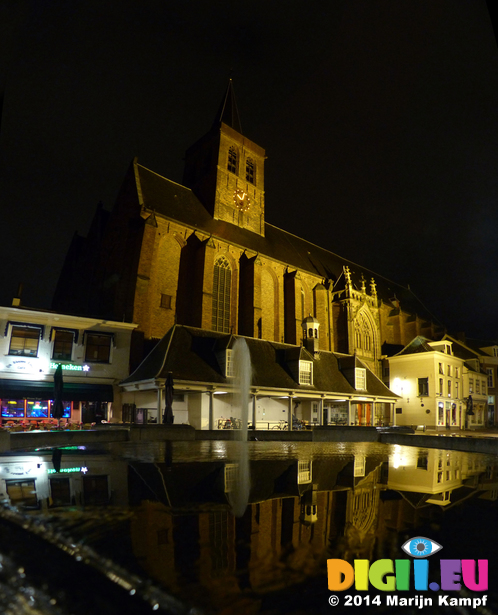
(241, 358)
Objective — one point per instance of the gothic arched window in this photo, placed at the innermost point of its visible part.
(222, 283)
(367, 337)
(250, 170)
(363, 334)
(357, 337)
(232, 159)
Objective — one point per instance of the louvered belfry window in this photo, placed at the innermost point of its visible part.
(221, 295)
(232, 160)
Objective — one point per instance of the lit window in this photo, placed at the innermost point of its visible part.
(232, 160)
(449, 388)
(359, 465)
(360, 379)
(63, 345)
(423, 387)
(250, 170)
(37, 409)
(440, 415)
(22, 493)
(98, 348)
(491, 377)
(12, 408)
(304, 472)
(471, 385)
(305, 372)
(222, 284)
(24, 341)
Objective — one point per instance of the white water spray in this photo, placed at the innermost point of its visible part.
(239, 495)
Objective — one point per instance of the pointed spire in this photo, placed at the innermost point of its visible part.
(228, 112)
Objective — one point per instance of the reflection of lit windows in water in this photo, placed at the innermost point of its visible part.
(22, 493)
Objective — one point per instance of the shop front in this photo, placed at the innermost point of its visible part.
(25, 401)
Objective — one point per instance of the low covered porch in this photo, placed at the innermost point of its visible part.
(291, 388)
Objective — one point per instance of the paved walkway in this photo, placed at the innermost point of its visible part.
(465, 433)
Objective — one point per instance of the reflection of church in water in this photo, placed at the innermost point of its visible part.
(301, 512)
(202, 255)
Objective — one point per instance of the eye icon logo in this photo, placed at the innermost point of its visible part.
(421, 547)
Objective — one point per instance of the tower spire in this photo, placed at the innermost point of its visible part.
(228, 112)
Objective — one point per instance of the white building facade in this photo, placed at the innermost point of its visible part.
(437, 389)
(94, 355)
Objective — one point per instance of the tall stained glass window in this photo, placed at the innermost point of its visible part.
(222, 283)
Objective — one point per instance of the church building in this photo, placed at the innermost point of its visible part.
(201, 255)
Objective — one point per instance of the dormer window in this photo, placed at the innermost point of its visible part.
(360, 379)
(232, 159)
(250, 170)
(305, 372)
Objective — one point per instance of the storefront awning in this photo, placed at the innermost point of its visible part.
(19, 389)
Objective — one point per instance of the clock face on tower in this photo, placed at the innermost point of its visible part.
(241, 200)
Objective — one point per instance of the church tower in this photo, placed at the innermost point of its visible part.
(226, 170)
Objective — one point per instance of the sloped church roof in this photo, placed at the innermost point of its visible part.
(178, 203)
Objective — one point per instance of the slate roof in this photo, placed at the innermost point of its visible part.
(417, 345)
(478, 345)
(228, 112)
(190, 354)
(186, 484)
(176, 202)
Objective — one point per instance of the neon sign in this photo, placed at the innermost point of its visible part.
(83, 469)
(70, 367)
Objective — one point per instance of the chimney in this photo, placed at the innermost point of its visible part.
(16, 301)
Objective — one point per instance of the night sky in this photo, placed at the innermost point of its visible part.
(379, 119)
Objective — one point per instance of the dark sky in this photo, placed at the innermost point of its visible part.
(379, 119)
